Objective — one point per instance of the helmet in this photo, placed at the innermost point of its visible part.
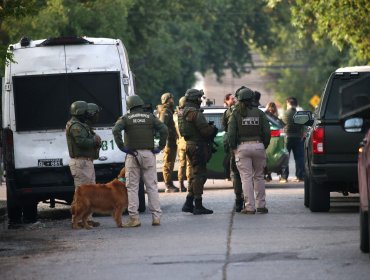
(182, 102)
(78, 108)
(133, 101)
(246, 94)
(238, 90)
(165, 97)
(193, 94)
(92, 109)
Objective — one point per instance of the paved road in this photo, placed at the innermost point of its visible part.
(288, 243)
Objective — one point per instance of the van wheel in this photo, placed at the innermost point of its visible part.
(319, 197)
(13, 206)
(306, 190)
(364, 231)
(141, 197)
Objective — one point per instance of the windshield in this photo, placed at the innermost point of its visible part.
(341, 83)
(42, 102)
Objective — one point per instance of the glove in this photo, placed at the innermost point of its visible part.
(156, 150)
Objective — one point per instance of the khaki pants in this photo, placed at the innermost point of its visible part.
(169, 158)
(144, 166)
(82, 171)
(251, 160)
(183, 172)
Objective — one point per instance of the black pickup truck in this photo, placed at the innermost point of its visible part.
(331, 152)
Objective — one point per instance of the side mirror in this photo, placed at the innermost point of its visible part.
(354, 125)
(303, 118)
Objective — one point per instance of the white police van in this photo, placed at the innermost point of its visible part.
(38, 89)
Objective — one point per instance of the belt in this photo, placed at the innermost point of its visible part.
(250, 142)
(84, 158)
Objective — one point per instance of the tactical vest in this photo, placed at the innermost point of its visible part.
(139, 130)
(249, 126)
(76, 151)
(172, 134)
(187, 128)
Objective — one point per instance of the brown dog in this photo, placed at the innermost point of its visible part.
(100, 198)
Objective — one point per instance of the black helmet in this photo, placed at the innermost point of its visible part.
(133, 101)
(165, 97)
(194, 95)
(246, 94)
(78, 108)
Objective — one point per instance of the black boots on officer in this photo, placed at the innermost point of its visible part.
(198, 209)
(239, 204)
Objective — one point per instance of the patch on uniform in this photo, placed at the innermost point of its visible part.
(251, 121)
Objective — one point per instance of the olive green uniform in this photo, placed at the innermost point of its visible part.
(249, 136)
(235, 176)
(197, 133)
(170, 151)
(139, 129)
(183, 172)
(83, 148)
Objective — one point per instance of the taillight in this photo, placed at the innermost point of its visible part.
(318, 140)
(275, 133)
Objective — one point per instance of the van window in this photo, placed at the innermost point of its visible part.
(42, 102)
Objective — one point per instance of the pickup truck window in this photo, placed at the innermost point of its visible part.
(47, 98)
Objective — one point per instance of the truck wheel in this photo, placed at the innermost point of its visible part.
(306, 190)
(141, 197)
(319, 197)
(13, 206)
(364, 231)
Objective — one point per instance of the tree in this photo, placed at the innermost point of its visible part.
(344, 23)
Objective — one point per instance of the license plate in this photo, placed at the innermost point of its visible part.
(54, 162)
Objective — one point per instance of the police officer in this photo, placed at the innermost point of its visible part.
(235, 176)
(249, 136)
(83, 145)
(198, 134)
(165, 111)
(183, 171)
(139, 127)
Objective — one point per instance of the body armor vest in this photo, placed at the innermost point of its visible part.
(187, 127)
(249, 125)
(76, 151)
(139, 130)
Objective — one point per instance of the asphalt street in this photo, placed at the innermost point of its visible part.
(288, 243)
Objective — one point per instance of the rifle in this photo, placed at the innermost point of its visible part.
(212, 145)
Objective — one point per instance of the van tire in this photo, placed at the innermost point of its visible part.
(364, 231)
(319, 197)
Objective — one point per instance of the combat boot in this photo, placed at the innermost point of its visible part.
(188, 205)
(182, 187)
(170, 188)
(239, 204)
(199, 209)
(132, 222)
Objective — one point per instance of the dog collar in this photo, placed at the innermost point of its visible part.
(123, 180)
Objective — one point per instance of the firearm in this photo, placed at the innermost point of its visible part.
(212, 145)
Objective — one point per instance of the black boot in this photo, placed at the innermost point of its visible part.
(239, 203)
(188, 205)
(199, 208)
(182, 187)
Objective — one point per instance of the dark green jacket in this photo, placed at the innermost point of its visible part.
(139, 127)
(80, 139)
(291, 129)
(248, 124)
(193, 125)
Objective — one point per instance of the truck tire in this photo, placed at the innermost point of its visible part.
(306, 190)
(319, 197)
(364, 231)
(141, 197)
(13, 206)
